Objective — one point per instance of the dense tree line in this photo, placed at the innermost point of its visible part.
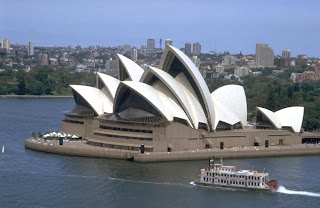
(275, 94)
(42, 81)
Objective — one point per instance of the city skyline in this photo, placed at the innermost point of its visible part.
(219, 26)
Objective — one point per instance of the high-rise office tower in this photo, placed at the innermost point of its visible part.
(31, 48)
(5, 43)
(196, 49)
(187, 48)
(151, 45)
(168, 42)
(264, 55)
(134, 54)
(286, 53)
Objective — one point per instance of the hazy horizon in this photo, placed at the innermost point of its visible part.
(230, 25)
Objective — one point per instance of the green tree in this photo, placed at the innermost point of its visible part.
(290, 92)
(22, 89)
(271, 101)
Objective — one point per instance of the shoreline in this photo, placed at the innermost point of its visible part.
(80, 148)
(36, 96)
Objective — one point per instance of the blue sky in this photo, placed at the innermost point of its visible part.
(225, 25)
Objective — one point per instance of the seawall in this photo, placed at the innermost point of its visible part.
(74, 148)
(80, 148)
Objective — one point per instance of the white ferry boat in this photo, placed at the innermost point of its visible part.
(229, 176)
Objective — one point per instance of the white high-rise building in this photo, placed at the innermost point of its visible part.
(134, 54)
(31, 48)
(264, 55)
(144, 52)
(196, 61)
(5, 43)
(151, 45)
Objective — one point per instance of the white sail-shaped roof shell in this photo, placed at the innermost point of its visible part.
(110, 83)
(177, 90)
(233, 99)
(225, 115)
(151, 95)
(133, 70)
(291, 117)
(98, 101)
(192, 99)
(287, 117)
(197, 78)
(171, 102)
(271, 117)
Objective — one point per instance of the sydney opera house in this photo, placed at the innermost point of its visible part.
(170, 108)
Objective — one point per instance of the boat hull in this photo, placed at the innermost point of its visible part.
(197, 182)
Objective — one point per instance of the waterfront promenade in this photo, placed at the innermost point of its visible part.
(80, 148)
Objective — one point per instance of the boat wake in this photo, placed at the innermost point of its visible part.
(193, 183)
(283, 190)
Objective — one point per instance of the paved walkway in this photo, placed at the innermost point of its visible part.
(80, 148)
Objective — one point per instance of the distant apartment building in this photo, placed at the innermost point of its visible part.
(144, 52)
(5, 44)
(264, 55)
(31, 48)
(196, 49)
(311, 75)
(286, 53)
(229, 60)
(299, 77)
(282, 62)
(219, 69)
(196, 61)
(44, 59)
(151, 45)
(126, 48)
(111, 64)
(134, 54)
(187, 48)
(241, 71)
(301, 61)
(168, 42)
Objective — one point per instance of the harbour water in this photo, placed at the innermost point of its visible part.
(34, 179)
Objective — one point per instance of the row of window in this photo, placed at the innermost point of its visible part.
(242, 183)
(253, 178)
(125, 129)
(230, 182)
(120, 147)
(224, 169)
(233, 176)
(122, 137)
(73, 121)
